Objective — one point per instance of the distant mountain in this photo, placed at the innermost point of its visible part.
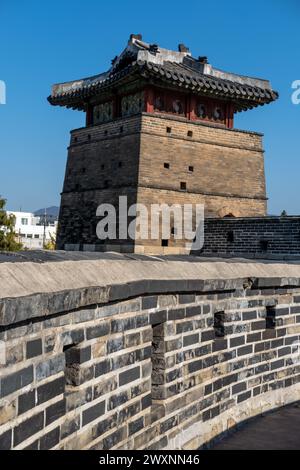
(50, 211)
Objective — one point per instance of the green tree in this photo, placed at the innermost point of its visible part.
(283, 213)
(50, 244)
(8, 241)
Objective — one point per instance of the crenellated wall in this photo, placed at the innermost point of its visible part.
(129, 352)
(252, 237)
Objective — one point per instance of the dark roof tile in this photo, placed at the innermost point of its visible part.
(175, 74)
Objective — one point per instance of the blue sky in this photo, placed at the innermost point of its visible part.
(45, 42)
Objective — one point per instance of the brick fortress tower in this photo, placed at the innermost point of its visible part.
(159, 129)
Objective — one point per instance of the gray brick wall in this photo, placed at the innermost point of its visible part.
(149, 372)
(261, 237)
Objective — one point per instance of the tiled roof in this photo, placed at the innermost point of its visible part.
(169, 68)
(179, 75)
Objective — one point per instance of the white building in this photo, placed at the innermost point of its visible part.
(31, 231)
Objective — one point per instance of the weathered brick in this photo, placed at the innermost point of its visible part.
(84, 315)
(208, 389)
(261, 368)
(237, 341)
(129, 376)
(146, 401)
(149, 302)
(14, 354)
(15, 381)
(97, 331)
(103, 367)
(28, 428)
(206, 415)
(243, 396)
(75, 398)
(6, 440)
(207, 335)
(282, 311)
(219, 344)
(72, 337)
(105, 386)
(215, 411)
(176, 314)
(69, 426)
(114, 345)
(258, 325)
(217, 384)
(113, 439)
(187, 299)
(130, 306)
(284, 351)
(93, 412)
(249, 315)
(7, 411)
(191, 339)
(78, 355)
(195, 366)
(55, 411)
(104, 426)
(77, 374)
(49, 343)
(33, 445)
(50, 390)
(239, 387)
(26, 401)
(51, 366)
(168, 424)
(277, 364)
(254, 337)
(135, 426)
(158, 317)
(117, 400)
(244, 350)
(50, 439)
(34, 348)
(142, 320)
(229, 379)
(173, 344)
(132, 339)
(183, 327)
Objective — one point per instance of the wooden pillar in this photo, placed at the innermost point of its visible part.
(89, 115)
(188, 107)
(149, 100)
(229, 115)
(193, 105)
(115, 110)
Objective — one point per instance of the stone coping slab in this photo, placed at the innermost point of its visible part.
(41, 283)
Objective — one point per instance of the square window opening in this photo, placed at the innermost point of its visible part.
(230, 236)
(264, 245)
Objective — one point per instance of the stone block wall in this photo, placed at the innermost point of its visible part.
(253, 237)
(153, 364)
(102, 165)
(212, 161)
(153, 159)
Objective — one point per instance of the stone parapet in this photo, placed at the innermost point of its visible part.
(109, 351)
(253, 237)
